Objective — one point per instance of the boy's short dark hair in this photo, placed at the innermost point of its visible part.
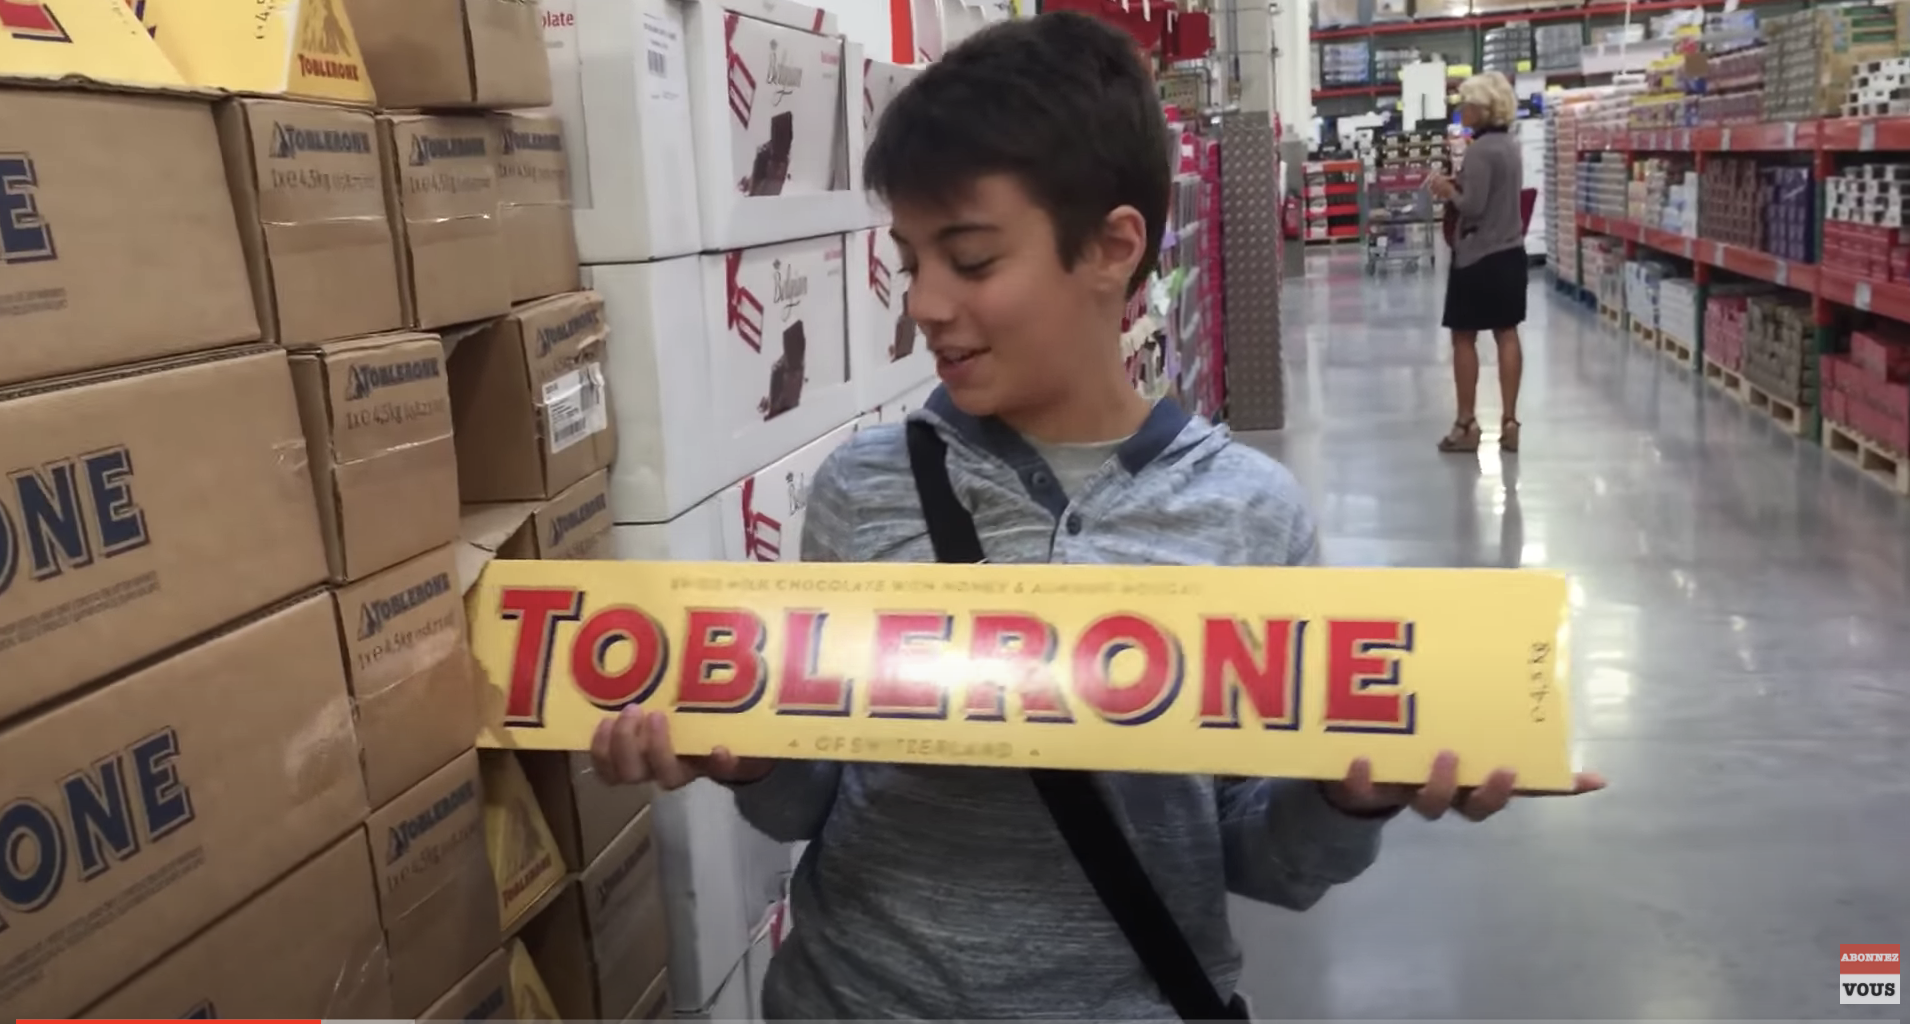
(1061, 101)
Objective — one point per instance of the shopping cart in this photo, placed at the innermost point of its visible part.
(1401, 224)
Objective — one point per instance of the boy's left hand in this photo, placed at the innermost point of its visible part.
(1358, 794)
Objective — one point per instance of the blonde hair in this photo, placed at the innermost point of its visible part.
(1492, 94)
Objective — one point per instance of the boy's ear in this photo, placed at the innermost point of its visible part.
(1118, 250)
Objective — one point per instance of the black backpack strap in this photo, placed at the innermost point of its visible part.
(1079, 811)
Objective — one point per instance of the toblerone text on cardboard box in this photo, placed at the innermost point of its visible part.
(533, 186)
(129, 499)
(443, 175)
(308, 946)
(377, 418)
(436, 896)
(314, 216)
(139, 813)
(1270, 672)
(109, 258)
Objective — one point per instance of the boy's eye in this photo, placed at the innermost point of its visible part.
(908, 269)
(975, 269)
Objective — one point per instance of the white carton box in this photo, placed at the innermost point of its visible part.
(770, 88)
(720, 877)
(926, 18)
(881, 82)
(620, 79)
(763, 515)
(888, 354)
(695, 536)
(897, 409)
(722, 365)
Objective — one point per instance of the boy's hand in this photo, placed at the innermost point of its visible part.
(1441, 186)
(635, 746)
(1357, 794)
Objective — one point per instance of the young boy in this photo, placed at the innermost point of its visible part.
(1028, 176)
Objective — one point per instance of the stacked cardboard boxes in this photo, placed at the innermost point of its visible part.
(1780, 348)
(758, 304)
(1868, 390)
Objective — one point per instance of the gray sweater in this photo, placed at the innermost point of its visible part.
(1489, 184)
(934, 893)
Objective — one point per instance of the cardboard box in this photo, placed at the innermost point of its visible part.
(603, 943)
(620, 79)
(584, 812)
(775, 119)
(309, 185)
(130, 497)
(888, 354)
(172, 795)
(483, 994)
(107, 258)
(453, 53)
(443, 174)
(528, 395)
(763, 515)
(530, 997)
(573, 526)
(413, 684)
(308, 946)
(435, 893)
(523, 853)
(533, 184)
(377, 417)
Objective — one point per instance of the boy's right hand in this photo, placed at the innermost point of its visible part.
(635, 746)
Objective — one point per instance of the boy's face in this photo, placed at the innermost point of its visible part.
(1014, 333)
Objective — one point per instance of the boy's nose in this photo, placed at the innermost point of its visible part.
(926, 308)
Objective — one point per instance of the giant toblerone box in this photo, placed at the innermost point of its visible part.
(1281, 672)
(91, 40)
(112, 252)
(442, 173)
(314, 216)
(300, 48)
(309, 946)
(130, 498)
(377, 418)
(142, 812)
(413, 687)
(605, 940)
(436, 896)
(453, 53)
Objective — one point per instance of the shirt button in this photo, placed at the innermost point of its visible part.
(1074, 524)
(1040, 479)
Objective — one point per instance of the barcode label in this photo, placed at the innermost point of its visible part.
(659, 63)
(574, 407)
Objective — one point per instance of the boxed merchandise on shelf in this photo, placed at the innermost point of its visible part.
(115, 567)
(106, 262)
(310, 944)
(1726, 313)
(534, 213)
(453, 53)
(574, 525)
(376, 414)
(174, 793)
(1679, 313)
(313, 206)
(1642, 278)
(1780, 348)
(443, 173)
(524, 856)
(529, 400)
(1868, 390)
(888, 354)
(772, 375)
(603, 943)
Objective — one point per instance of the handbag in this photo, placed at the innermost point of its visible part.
(1081, 815)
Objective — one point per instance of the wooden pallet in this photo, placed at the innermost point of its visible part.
(1722, 378)
(1677, 351)
(1612, 316)
(1794, 418)
(1871, 458)
(1645, 336)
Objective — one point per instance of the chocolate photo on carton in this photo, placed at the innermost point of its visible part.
(904, 344)
(771, 168)
(786, 374)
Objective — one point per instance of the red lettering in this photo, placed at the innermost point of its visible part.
(649, 656)
(1010, 651)
(537, 611)
(1266, 670)
(909, 680)
(1353, 671)
(800, 691)
(1151, 692)
(724, 669)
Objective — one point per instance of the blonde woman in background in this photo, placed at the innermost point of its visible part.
(1485, 290)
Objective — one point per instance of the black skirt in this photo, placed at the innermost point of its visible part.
(1488, 295)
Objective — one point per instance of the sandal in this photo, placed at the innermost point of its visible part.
(1509, 436)
(1464, 437)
